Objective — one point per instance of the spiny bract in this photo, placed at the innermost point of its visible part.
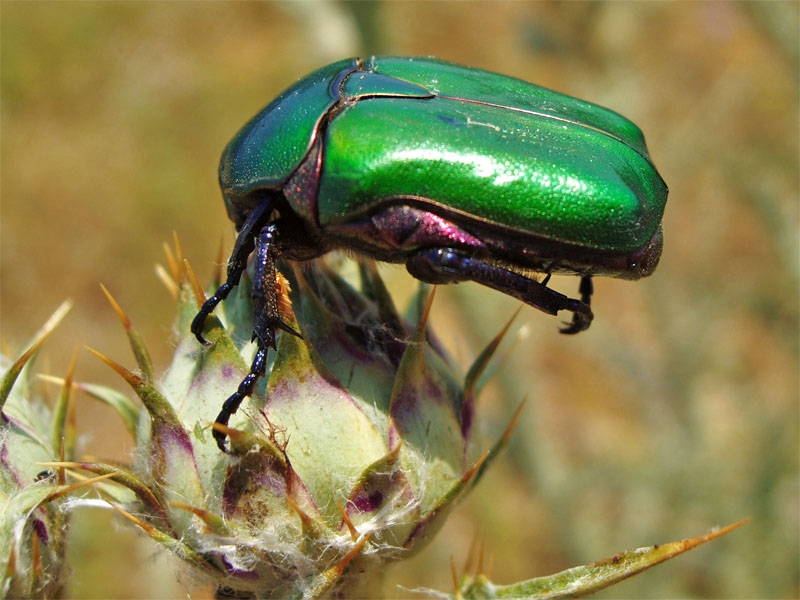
(33, 515)
(349, 456)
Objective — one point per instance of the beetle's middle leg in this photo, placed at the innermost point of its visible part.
(266, 319)
(447, 265)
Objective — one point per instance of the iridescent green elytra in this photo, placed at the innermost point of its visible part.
(459, 173)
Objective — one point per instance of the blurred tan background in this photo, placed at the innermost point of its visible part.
(675, 412)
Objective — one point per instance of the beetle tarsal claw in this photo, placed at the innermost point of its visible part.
(582, 314)
(580, 321)
(197, 327)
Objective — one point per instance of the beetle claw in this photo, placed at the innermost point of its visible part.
(220, 436)
(581, 319)
(199, 321)
(199, 337)
(197, 328)
(582, 314)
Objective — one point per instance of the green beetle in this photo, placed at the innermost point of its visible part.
(459, 173)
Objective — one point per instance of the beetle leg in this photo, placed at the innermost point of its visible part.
(266, 314)
(245, 243)
(445, 265)
(231, 405)
(579, 318)
(266, 319)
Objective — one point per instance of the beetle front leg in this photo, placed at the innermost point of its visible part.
(446, 265)
(246, 387)
(266, 319)
(245, 243)
(266, 293)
